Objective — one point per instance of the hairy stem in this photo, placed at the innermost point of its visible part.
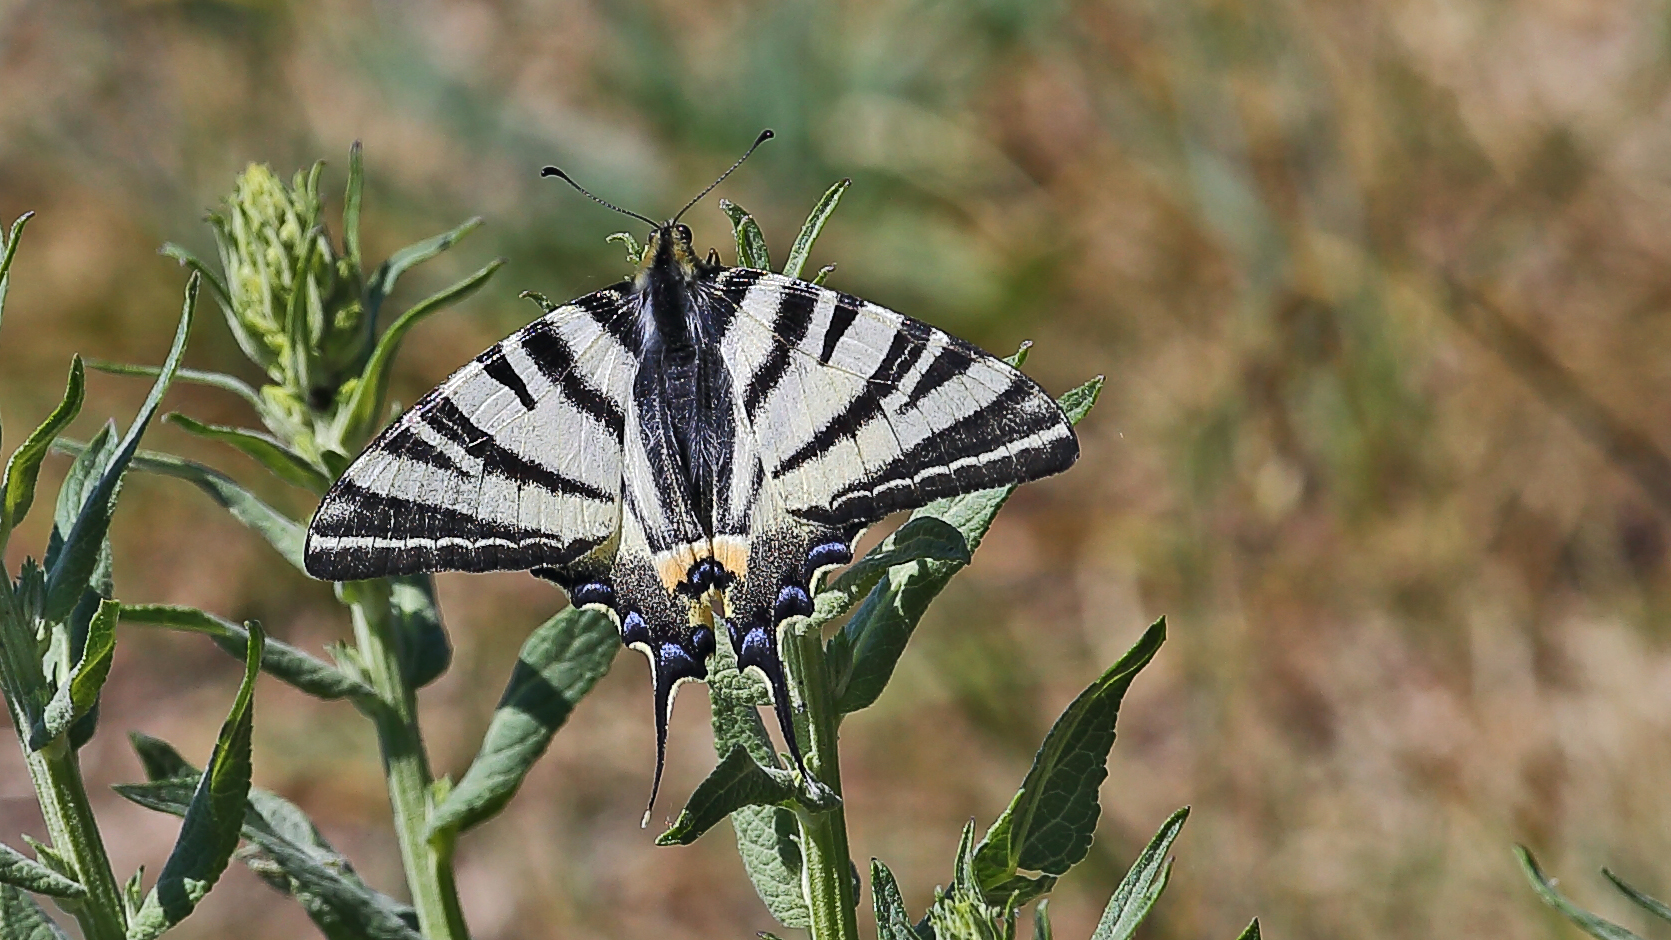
(429, 868)
(827, 871)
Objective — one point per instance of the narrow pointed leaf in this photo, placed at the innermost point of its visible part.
(220, 380)
(558, 665)
(1595, 926)
(892, 920)
(78, 695)
(1049, 824)
(737, 782)
(196, 265)
(75, 563)
(213, 819)
(382, 281)
(1251, 932)
(161, 760)
(265, 450)
(300, 341)
(1648, 903)
(10, 253)
(1142, 885)
(363, 409)
(23, 468)
(283, 533)
(21, 871)
(280, 660)
(863, 655)
(924, 538)
(751, 244)
(90, 459)
(814, 225)
(1041, 921)
(351, 205)
(22, 919)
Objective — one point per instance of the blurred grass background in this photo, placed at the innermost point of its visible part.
(1417, 611)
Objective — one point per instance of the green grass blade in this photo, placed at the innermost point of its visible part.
(1648, 903)
(1584, 920)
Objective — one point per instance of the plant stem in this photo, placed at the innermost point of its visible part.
(827, 872)
(429, 870)
(56, 774)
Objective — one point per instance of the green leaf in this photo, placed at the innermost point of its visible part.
(21, 871)
(283, 533)
(77, 560)
(220, 380)
(159, 758)
(351, 198)
(420, 637)
(918, 539)
(196, 265)
(22, 919)
(1582, 919)
(1041, 921)
(892, 920)
(558, 665)
(265, 450)
(79, 693)
(23, 468)
(737, 782)
(1251, 932)
(291, 855)
(814, 225)
(300, 342)
(635, 254)
(280, 660)
(8, 255)
(963, 911)
(1142, 885)
(823, 275)
(1049, 824)
(213, 818)
(1648, 903)
(360, 416)
(382, 281)
(863, 655)
(751, 244)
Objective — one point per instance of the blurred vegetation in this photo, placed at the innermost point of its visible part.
(1417, 613)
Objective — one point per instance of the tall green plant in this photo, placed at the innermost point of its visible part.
(57, 639)
(328, 375)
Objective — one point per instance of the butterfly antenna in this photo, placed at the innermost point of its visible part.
(554, 171)
(765, 135)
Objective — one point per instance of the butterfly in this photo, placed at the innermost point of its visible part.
(690, 449)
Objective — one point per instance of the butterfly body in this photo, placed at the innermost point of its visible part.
(688, 450)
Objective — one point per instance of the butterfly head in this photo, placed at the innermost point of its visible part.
(669, 251)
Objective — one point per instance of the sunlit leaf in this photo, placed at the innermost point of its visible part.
(21, 871)
(22, 919)
(892, 920)
(23, 468)
(278, 659)
(79, 693)
(1142, 885)
(381, 283)
(814, 225)
(735, 783)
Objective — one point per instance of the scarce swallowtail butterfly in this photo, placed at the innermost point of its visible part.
(688, 450)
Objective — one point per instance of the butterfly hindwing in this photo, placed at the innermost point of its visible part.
(513, 463)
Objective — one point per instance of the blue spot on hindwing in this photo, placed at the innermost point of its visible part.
(792, 601)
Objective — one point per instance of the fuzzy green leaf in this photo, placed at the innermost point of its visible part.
(635, 254)
(196, 265)
(1142, 885)
(22, 919)
(280, 660)
(265, 450)
(23, 468)
(814, 225)
(292, 856)
(737, 782)
(220, 380)
(213, 819)
(421, 640)
(83, 474)
(7, 256)
(863, 655)
(1251, 932)
(160, 760)
(351, 199)
(893, 922)
(77, 560)
(1049, 824)
(751, 244)
(283, 533)
(923, 538)
(963, 911)
(558, 665)
(1647, 902)
(1584, 920)
(1041, 921)
(79, 693)
(382, 281)
(361, 415)
(21, 871)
